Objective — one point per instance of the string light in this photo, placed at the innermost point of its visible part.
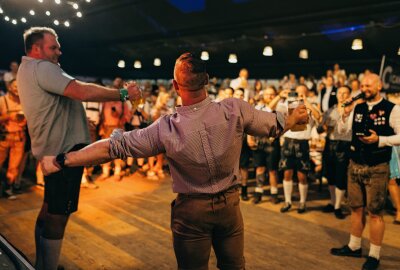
(79, 14)
(75, 5)
(398, 52)
(48, 13)
(23, 20)
(14, 21)
(88, 1)
(121, 64)
(40, 1)
(1, 11)
(357, 44)
(7, 18)
(56, 22)
(57, 2)
(232, 58)
(66, 24)
(137, 64)
(204, 56)
(303, 54)
(268, 51)
(157, 62)
(32, 12)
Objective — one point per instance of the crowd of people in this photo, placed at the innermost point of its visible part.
(317, 153)
(309, 152)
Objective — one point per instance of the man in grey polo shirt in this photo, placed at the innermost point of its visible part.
(202, 142)
(51, 100)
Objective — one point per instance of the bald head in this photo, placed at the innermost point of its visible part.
(371, 85)
(190, 72)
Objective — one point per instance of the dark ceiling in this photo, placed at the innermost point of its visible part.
(131, 30)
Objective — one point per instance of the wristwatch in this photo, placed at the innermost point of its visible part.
(60, 159)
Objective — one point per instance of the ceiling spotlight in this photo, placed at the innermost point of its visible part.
(204, 56)
(57, 2)
(14, 21)
(7, 18)
(232, 58)
(137, 64)
(357, 44)
(66, 23)
(121, 64)
(79, 14)
(56, 22)
(268, 51)
(48, 13)
(303, 54)
(23, 20)
(157, 62)
(32, 12)
(75, 5)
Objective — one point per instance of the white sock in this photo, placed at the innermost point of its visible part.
(374, 251)
(303, 192)
(287, 189)
(339, 197)
(274, 190)
(355, 242)
(333, 194)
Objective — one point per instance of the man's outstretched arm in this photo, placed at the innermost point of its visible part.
(94, 154)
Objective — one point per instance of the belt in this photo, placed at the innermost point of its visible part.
(209, 195)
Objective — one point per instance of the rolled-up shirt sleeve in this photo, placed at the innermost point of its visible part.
(261, 123)
(394, 122)
(138, 143)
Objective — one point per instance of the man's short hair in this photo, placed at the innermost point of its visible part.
(190, 72)
(35, 34)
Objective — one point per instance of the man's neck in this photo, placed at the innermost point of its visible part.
(190, 98)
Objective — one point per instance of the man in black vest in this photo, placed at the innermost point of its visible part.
(327, 97)
(375, 124)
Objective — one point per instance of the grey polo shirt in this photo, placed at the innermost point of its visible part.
(56, 123)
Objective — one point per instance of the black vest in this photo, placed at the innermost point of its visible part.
(332, 98)
(378, 120)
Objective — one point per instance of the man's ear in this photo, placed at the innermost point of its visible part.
(176, 86)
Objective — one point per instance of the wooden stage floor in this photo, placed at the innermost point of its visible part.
(125, 225)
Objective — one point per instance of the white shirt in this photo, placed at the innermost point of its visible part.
(394, 121)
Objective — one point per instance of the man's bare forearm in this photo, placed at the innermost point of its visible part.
(97, 93)
(94, 154)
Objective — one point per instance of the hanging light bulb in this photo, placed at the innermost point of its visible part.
(56, 22)
(1, 11)
(23, 20)
(79, 14)
(66, 24)
(232, 58)
(398, 52)
(40, 1)
(32, 12)
(137, 64)
(121, 64)
(157, 62)
(204, 56)
(75, 5)
(48, 13)
(88, 1)
(7, 18)
(14, 21)
(268, 51)
(57, 2)
(303, 54)
(357, 44)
